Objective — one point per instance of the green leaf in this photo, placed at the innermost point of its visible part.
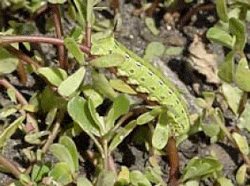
(62, 173)
(78, 111)
(74, 49)
(50, 100)
(70, 145)
(102, 85)
(201, 102)
(33, 138)
(56, 1)
(245, 118)
(82, 181)
(238, 29)
(233, 96)
(161, 132)
(241, 174)
(81, 8)
(221, 7)
(119, 108)
(71, 84)
(150, 23)
(8, 62)
(50, 117)
(154, 175)
(174, 50)
(39, 171)
(54, 75)
(10, 130)
(63, 155)
(110, 60)
(225, 181)
(123, 177)
(148, 116)
(122, 134)
(7, 111)
(211, 129)
(200, 167)
(95, 96)
(209, 97)
(217, 35)
(226, 70)
(30, 108)
(121, 86)
(243, 75)
(138, 179)
(106, 178)
(12, 94)
(95, 116)
(241, 142)
(154, 49)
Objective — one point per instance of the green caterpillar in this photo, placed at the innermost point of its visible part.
(148, 80)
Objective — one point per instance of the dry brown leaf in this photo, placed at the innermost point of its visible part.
(202, 61)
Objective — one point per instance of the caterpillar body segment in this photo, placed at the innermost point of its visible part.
(148, 80)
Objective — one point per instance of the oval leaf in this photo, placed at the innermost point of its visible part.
(226, 70)
(74, 49)
(63, 155)
(243, 75)
(138, 179)
(241, 142)
(121, 86)
(78, 111)
(62, 173)
(70, 145)
(71, 84)
(8, 62)
(54, 75)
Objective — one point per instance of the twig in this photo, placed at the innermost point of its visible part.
(54, 132)
(59, 34)
(19, 96)
(194, 11)
(173, 161)
(21, 56)
(10, 166)
(21, 100)
(5, 40)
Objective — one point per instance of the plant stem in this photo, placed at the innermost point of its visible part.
(21, 56)
(59, 34)
(6, 40)
(19, 96)
(10, 166)
(54, 132)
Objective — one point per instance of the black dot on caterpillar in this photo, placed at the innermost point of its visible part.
(127, 56)
(162, 97)
(182, 111)
(152, 88)
(150, 73)
(177, 101)
(110, 51)
(138, 64)
(131, 71)
(143, 79)
(161, 83)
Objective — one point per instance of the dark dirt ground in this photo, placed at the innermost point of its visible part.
(136, 36)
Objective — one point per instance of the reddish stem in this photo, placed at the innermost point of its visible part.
(59, 34)
(173, 161)
(5, 40)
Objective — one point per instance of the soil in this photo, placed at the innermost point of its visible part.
(135, 35)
